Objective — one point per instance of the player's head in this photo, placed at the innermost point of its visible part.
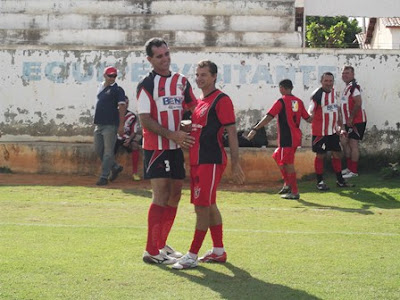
(110, 74)
(285, 87)
(206, 74)
(154, 42)
(158, 55)
(327, 80)
(347, 74)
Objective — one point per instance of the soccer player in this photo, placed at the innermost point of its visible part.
(162, 97)
(355, 120)
(290, 110)
(214, 114)
(326, 123)
(109, 120)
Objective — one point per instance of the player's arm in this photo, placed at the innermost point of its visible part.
(180, 137)
(264, 121)
(356, 108)
(237, 172)
(311, 108)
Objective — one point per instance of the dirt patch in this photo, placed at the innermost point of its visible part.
(122, 182)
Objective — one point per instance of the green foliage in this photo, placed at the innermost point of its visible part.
(74, 242)
(5, 170)
(331, 32)
(392, 171)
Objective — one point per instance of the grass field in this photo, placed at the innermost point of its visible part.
(76, 242)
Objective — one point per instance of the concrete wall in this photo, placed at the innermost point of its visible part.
(49, 95)
(79, 158)
(65, 24)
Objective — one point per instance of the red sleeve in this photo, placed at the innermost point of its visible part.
(275, 109)
(190, 99)
(225, 111)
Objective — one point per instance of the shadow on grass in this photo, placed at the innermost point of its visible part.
(363, 211)
(362, 193)
(138, 192)
(240, 285)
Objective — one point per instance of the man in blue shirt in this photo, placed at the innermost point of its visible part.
(109, 120)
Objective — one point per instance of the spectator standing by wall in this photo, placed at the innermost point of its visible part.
(109, 120)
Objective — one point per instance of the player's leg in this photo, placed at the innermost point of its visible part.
(161, 185)
(277, 156)
(288, 163)
(344, 141)
(135, 163)
(177, 174)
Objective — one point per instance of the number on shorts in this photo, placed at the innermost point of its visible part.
(167, 166)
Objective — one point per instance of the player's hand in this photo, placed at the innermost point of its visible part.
(127, 142)
(251, 134)
(183, 139)
(237, 173)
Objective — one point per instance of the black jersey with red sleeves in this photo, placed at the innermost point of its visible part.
(211, 114)
(290, 110)
(164, 98)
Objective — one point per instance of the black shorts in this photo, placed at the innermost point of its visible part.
(357, 131)
(163, 164)
(321, 144)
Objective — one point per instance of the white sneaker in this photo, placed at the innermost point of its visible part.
(350, 175)
(168, 250)
(185, 262)
(345, 171)
(160, 258)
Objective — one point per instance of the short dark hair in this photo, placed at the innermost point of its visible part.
(212, 67)
(348, 68)
(327, 74)
(286, 84)
(156, 42)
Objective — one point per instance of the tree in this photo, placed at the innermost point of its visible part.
(331, 32)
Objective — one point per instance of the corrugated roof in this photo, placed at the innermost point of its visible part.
(391, 22)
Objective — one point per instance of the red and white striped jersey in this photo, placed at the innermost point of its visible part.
(325, 109)
(347, 103)
(164, 98)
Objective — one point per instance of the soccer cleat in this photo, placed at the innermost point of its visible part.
(171, 252)
(285, 189)
(115, 173)
(160, 259)
(102, 181)
(344, 184)
(345, 171)
(350, 175)
(291, 196)
(186, 262)
(210, 256)
(322, 186)
(135, 177)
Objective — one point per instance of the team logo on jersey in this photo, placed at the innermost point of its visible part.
(180, 87)
(295, 106)
(330, 108)
(203, 111)
(172, 100)
(197, 192)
